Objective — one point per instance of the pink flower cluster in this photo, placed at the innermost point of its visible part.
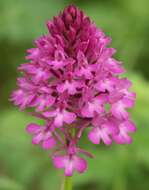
(73, 83)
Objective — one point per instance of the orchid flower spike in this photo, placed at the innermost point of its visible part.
(69, 80)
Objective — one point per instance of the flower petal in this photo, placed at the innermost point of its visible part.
(37, 138)
(80, 164)
(33, 128)
(118, 110)
(58, 121)
(49, 143)
(69, 167)
(60, 161)
(94, 135)
(69, 117)
(124, 128)
(97, 134)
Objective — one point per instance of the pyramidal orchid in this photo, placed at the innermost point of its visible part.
(69, 80)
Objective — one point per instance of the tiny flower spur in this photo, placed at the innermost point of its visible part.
(69, 79)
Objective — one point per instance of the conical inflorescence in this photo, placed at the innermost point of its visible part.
(72, 82)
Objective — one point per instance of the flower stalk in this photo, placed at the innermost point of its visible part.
(67, 183)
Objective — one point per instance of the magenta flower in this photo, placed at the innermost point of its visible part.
(60, 117)
(41, 134)
(69, 80)
(70, 163)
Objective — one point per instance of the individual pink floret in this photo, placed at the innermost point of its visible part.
(70, 163)
(42, 135)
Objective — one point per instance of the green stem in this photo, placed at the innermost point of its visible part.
(67, 183)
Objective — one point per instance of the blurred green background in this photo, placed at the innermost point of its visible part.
(27, 167)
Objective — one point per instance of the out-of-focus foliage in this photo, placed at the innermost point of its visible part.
(27, 167)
